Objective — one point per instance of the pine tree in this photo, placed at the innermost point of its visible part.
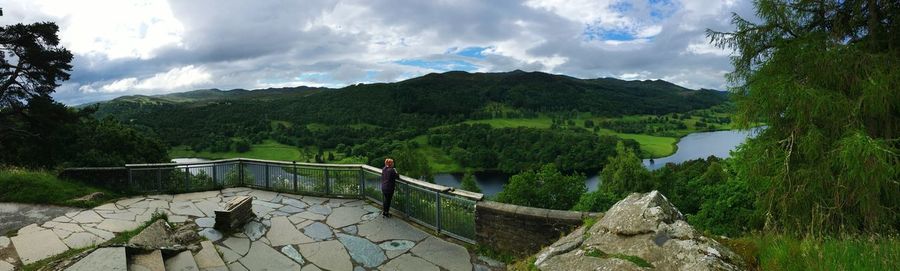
(823, 76)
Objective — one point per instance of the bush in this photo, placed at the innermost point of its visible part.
(597, 201)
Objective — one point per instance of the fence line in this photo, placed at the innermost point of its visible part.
(444, 209)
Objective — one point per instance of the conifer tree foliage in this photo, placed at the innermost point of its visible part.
(823, 75)
(31, 62)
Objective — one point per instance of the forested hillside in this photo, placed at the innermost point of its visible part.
(369, 121)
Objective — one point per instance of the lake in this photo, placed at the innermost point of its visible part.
(692, 146)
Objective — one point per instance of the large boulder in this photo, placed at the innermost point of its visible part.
(643, 231)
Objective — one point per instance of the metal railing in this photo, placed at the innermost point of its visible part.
(444, 209)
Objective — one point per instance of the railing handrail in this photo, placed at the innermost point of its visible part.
(403, 178)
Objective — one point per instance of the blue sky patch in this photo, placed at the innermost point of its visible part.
(473, 52)
(439, 65)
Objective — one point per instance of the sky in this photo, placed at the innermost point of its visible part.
(126, 47)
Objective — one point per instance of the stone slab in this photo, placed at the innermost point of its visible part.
(107, 258)
(184, 261)
(362, 251)
(345, 216)
(329, 255)
(195, 196)
(152, 261)
(208, 257)
(382, 229)
(284, 233)
(445, 254)
(39, 245)
(115, 225)
(408, 262)
(228, 255)
(318, 231)
(238, 245)
(82, 240)
(292, 253)
(88, 217)
(185, 208)
(264, 257)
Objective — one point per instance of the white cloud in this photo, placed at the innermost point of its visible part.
(176, 79)
(127, 47)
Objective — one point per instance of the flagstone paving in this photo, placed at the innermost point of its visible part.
(290, 232)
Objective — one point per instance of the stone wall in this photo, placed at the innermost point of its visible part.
(522, 230)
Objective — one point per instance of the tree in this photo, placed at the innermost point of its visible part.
(412, 163)
(32, 61)
(624, 173)
(242, 145)
(469, 184)
(544, 188)
(823, 77)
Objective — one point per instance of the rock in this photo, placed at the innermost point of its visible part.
(638, 214)
(350, 229)
(646, 226)
(186, 234)
(320, 209)
(292, 253)
(4, 242)
(90, 197)
(362, 251)
(157, 235)
(254, 230)
(318, 231)
(211, 234)
(205, 222)
(5, 266)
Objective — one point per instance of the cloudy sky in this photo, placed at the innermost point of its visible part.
(125, 47)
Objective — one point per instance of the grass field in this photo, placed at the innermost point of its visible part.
(269, 150)
(438, 160)
(541, 122)
(43, 187)
(778, 252)
(651, 146)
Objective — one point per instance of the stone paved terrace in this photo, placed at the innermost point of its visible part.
(291, 232)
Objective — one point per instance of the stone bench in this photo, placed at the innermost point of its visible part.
(237, 212)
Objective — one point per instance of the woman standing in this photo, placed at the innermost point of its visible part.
(389, 177)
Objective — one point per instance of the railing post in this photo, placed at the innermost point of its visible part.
(159, 179)
(437, 211)
(130, 179)
(187, 178)
(267, 174)
(362, 183)
(406, 200)
(241, 172)
(295, 176)
(327, 182)
(216, 180)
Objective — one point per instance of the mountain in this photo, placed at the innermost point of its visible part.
(436, 95)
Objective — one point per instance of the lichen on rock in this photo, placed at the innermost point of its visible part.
(642, 231)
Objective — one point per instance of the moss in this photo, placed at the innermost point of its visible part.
(634, 259)
(65, 255)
